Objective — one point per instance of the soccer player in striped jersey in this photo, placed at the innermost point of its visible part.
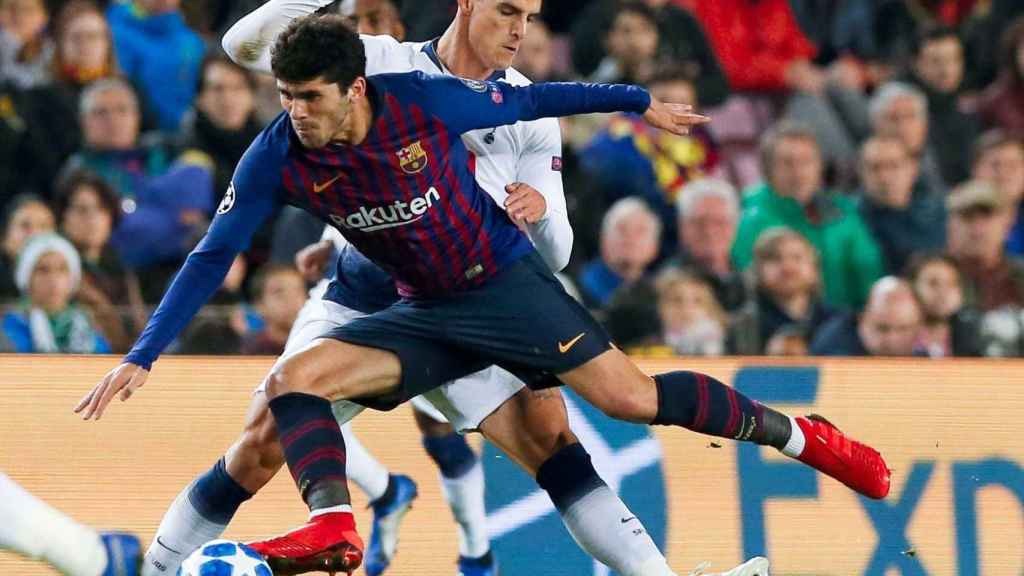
(475, 293)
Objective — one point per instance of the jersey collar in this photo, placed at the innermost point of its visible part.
(430, 49)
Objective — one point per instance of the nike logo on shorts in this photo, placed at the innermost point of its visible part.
(564, 347)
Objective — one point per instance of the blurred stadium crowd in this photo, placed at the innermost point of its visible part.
(858, 191)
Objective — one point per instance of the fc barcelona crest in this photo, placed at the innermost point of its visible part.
(412, 158)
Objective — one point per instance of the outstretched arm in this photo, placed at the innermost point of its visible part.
(248, 42)
(247, 203)
(472, 104)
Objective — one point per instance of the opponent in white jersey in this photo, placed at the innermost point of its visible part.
(531, 427)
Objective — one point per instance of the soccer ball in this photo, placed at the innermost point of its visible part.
(224, 558)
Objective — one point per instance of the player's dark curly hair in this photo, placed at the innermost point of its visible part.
(315, 46)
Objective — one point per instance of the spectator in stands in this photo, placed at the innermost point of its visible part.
(166, 199)
(890, 325)
(21, 146)
(903, 216)
(681, 40)
(88, 210)
(628, 158)
(84, 54)
(534, 58)
(1001, 105)
(979, 221)
(707, 214)
(793, 196)
(787, 281)
(938, 70)
(26, 215)
(280, 292)
(223, 122)
(25, 49)
(900, 110)
(693, 322)
(632, 45)
(949, 329)
(999, 159)
(630, 234)
(47, 274)
(159, 53)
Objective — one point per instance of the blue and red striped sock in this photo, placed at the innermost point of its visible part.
(314, 448)
(700, 403)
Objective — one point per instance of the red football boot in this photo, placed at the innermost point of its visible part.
(327, 543)
(857, 465)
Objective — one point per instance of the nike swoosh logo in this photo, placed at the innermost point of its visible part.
(563, 348)
(318, 188)
(624, 520)
(165, 546)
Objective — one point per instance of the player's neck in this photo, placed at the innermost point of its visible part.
(458, 55)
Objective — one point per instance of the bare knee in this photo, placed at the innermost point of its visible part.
(290, 375)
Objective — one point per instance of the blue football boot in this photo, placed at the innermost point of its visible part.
(124, 554)
(387, 517)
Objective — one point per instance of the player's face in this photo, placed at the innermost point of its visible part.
(497, 28)
(50, 284)
(535, 57)
(318, 109)
(31, 218)
(86, 222)
(376, 17)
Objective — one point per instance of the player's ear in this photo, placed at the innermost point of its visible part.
(357, 89)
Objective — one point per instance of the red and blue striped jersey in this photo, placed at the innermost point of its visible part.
(405, 196)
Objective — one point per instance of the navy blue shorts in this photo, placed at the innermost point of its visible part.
(522, 320)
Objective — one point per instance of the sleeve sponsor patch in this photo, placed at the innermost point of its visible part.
(556, 163)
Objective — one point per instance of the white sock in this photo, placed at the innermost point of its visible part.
(596, 523)
(795, 447)
(465, 496)
(182, 531)
(330, 510)
(362, 468)
(32, 527)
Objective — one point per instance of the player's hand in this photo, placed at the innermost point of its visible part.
(312, 260)
(524, 204)
(125, 379)
(675, 118)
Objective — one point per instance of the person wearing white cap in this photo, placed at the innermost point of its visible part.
(47, 273)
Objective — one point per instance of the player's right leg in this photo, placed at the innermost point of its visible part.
(37, 530)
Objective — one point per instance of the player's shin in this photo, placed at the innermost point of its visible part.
(703, 404)
(462, 482)
(314, 449)
(596, 517)
(200, 513)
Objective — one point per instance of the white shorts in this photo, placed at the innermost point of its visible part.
(463, 403)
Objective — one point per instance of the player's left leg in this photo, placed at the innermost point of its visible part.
(37, 530)
(699, 402)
